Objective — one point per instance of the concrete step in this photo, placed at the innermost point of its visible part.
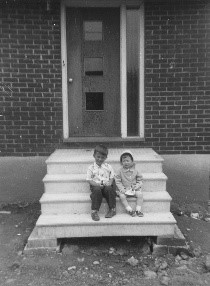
(61, 226)
(80, 203)
(76, 161)
(76, 183)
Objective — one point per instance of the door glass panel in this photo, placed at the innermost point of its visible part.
(93, 30)
(94, 101)
(93, 66)
(132, 42)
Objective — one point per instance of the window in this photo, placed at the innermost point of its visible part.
(93, 66)
(93, 31)
(132, 43)
(94, 101)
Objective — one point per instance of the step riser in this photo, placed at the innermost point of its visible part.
(84, 207)
(107, 230)
(81, 168)
(83, 187)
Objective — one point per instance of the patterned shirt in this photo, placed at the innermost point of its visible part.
(100, 174)
(125, 178)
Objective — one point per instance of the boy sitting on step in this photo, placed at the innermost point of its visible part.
(100, 176)
(129, 182)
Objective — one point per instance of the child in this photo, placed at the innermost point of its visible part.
(100, 176)
(129, 182)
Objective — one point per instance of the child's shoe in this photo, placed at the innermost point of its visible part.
(139, 213)
(131, 213)
(95, 216)
(110, 213)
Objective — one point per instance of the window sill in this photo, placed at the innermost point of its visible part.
(102, 139)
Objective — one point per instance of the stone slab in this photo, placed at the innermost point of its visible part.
(81, 203)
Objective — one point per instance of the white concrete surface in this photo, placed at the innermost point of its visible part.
(80, 203)
(70, 183)
(121, 225)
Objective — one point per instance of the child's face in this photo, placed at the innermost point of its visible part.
(99, 158)
(127, 162)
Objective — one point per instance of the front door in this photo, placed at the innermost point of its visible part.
(93, 56)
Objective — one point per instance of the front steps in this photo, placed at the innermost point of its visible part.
(154, 202)
(65, 205)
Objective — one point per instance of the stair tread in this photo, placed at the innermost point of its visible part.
(82, 177)
(123, 219)
(77, 197)
(86, 155)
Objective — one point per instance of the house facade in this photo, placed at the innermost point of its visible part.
(127, 73)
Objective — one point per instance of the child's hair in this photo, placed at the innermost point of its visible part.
(125, 154)
(101, 149)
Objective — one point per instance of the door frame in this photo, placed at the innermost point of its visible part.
(123, 67)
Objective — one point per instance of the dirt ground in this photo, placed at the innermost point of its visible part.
(99, 261)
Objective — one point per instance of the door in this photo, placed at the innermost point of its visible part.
(93, 57)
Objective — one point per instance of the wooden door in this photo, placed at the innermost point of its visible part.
(93, 53)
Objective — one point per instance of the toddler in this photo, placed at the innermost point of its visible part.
(129, 182)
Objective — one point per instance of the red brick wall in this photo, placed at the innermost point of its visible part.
(30, 78)
(177, 89)
(177, 81)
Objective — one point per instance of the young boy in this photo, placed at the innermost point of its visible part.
(100, 176)
(129, 182)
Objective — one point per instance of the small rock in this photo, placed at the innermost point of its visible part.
(81, 259)
(178, 258)
(165, 280)
(133, 261)
(207, 219)
(194, 215)
(163, 265)
(121, 252)
(5, 212)
(111, 250)
(197, 251)
(184, 256)
(72, 268)
(207, 262)
(150, 274)
(96, 262)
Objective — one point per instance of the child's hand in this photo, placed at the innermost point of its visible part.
(101, 184)
(135, 187)
(107, 183)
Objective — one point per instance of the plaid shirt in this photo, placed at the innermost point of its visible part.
(100, 174)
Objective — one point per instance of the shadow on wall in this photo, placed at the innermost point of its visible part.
(188, 177)
(21, 178)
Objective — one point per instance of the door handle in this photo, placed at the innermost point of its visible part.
(70, 80)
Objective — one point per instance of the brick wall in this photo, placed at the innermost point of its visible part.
(177, 89)
(177, 76)
(30, 78)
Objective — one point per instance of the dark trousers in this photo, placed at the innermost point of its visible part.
(97, 194)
